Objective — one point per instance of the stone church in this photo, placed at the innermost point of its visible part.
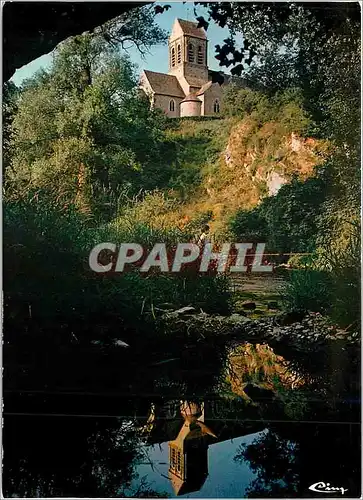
(187, 89)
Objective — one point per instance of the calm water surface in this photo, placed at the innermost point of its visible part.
(263, 426)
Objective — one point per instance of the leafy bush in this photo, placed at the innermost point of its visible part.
(242, 102)
(249, 226)
(341, 257)
(82, 130)
(288, 221)
(308, 290)
(284, 107)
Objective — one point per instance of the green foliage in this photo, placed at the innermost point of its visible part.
(308, 290)
(288, 221)
(136, 27)
(341, 258)
(284, 107)
(197, 224)
(197, 145)
(294, 45)
(241, 102)
(329, 280)
(249, 226)
(46, 248)
(82, 131)
(149, 209)
(317, 51)
(9, 95)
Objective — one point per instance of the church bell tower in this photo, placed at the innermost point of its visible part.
(188, 55)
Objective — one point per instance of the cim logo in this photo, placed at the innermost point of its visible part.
(322, 487)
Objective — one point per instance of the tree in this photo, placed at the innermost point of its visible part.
(9, 106)
(105, 454)
(288, 221)
(316, 47)
(274, 460)
(81, 129)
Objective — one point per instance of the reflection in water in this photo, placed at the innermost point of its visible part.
(188, 453)
(275, 462)
(204, 432)
(263, 429)
(258, 365)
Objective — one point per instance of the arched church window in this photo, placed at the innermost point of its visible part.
(172, 105)
(173, 56)
(216, 106)
(179, 54)
(200, 55)
(190, 53)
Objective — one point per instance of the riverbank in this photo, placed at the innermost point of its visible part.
(299, 331)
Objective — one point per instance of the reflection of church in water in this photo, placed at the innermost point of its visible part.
(190, 440)
(188, 453)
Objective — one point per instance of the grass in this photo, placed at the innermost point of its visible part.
(47, 277)
(223, 165)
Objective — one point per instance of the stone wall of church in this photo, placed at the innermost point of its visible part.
(211, 101)
(195, 75)
(163, 102)
(196, 72)
(195, 69)
(190, 108)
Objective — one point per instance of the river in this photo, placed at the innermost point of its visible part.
(253, 424)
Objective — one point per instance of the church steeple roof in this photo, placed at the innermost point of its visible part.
(190, 28)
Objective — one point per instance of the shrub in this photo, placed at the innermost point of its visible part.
(288, 221)
(341, 256)
(308, 290)
(249, 226)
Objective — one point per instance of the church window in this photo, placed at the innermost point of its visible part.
(200, 55)
(179, 54)
(190, 53)
(173, 458)
(173, 56)
(172, 105)
(216, 106)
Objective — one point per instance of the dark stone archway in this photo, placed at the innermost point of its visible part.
(32, 29)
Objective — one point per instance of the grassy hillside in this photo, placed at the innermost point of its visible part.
(231, 163)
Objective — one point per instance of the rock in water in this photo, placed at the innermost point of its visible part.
(248, 304)
(184, 311)
(272, 304)
(120, 343)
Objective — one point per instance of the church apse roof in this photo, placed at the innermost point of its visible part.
(191, 98)
(164, 84)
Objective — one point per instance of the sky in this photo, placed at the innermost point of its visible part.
(157, 59)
